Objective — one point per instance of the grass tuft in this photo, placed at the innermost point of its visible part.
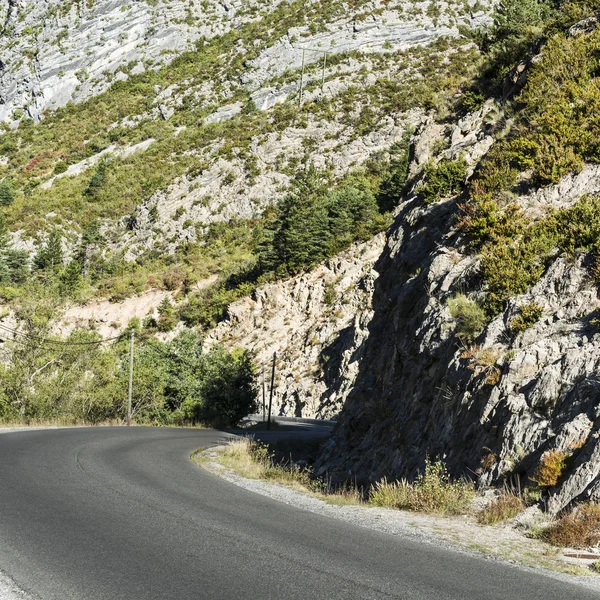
(506, 506)
(432, 492)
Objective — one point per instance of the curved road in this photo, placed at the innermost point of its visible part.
(112, 513)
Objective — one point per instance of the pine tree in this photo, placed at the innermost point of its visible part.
(301, 235)
(49, 258)
(17, 262)
(71, 280)
(96, 182)
(7, 193)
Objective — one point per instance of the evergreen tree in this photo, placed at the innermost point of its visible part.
(299, 236)
(49, 258)
(7, 193)
(394, 179)
(71, 280)
(4, 246)
(353, 213)
(96, 182)
(17, 263)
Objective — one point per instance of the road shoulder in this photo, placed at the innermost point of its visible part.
(499, 543)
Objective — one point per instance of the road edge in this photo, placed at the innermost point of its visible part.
(370, 518)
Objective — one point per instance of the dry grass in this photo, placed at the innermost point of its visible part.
(432, 492)
(255, 460)
(506, 506)
(550, 469)
(578, 529)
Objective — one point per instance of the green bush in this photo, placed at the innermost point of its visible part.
(227, 390)
(529, 314)
(470, 317)
(60, 167)
(7, 193)
(432, 492)
(394, 177)
(97, 182)
(50, 256)
(443, 179)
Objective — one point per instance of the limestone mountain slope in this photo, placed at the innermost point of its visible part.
(501, 402)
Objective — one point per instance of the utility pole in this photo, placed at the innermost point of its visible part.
(271, 391)
(264, 416)
(302, 78)
(130, 379)
(304, 50)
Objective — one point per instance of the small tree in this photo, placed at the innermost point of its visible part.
(17, 263)
(228, 390)
(71, 280)
(167, 318)
(96, 182)
(299, 236)
(50, 257)
(7, 193)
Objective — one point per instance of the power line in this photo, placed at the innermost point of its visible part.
(44, 341)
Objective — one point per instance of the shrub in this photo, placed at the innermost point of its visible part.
(550, 469)
(506, 506)
(529, 314)
(60, 167)
(577, 529)
(227, 390)
(395, 177)
(167, 319)
(483, 361)
(50, 256)
(7, 193)
(470, 317)
(432, 492)
(97, 181)
(443, 179)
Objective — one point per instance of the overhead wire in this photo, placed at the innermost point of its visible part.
(26, 339)
(44, 341)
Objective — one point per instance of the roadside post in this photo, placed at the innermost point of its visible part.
(264, 411)
(271, 391)
(130, 379)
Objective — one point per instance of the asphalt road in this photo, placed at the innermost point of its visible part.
(111, 513)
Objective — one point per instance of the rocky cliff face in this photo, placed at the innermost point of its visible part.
(493, 408)
(316, 323)
(57, 51)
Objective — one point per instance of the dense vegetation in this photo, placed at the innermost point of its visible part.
(553, 131)
(83, 379)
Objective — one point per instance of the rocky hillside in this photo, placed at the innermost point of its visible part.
(484, 345)
(146, 146)
(229, 170)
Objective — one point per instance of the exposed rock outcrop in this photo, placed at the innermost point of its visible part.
(491, 409)
(317, 323)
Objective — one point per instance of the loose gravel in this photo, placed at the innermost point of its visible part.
(9, 590)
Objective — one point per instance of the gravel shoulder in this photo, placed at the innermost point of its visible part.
(503, 543)
(9, 591)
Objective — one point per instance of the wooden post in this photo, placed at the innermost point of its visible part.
(130, 379)
(264, 412)
(271, 391)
